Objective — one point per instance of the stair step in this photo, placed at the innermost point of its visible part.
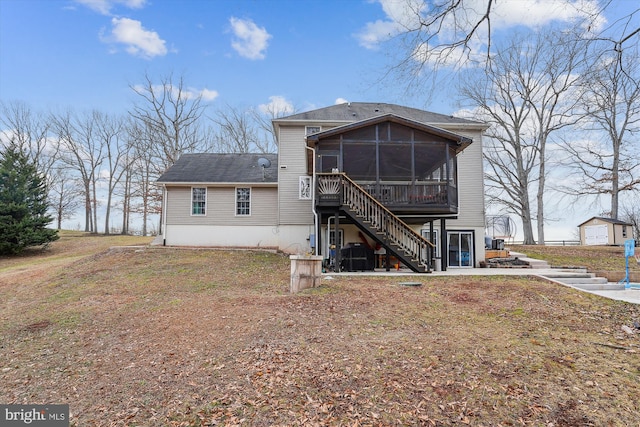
(569, 275)
(583, 281)
(600, 287)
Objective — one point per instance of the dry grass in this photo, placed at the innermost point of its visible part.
(165, 337)
(594, 258)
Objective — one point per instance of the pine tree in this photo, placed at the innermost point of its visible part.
(23, 204)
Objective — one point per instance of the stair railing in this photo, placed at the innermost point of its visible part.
(394, 230)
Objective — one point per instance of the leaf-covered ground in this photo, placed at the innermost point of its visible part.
(166, 337)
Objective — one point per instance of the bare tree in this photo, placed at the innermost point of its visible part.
(125, 198)
(607, 161)
(82, 152)
(264, 116)
(525, 96)
(555, 63)
(630, 213)
(238, 132)
(143, 197)
(29, 131)
(249, 130)
(110, 131)
(63, 194)
(445, 33)
(171, 114)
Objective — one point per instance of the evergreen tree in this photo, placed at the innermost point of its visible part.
(23, 204)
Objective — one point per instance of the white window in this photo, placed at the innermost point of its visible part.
(243, 201)
(304, 188)
(198, 201)
(312, 129)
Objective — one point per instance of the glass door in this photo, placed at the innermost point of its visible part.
(460, 244)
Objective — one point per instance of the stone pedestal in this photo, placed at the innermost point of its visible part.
(306, 272)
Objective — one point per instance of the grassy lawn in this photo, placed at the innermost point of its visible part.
(168, 337)
(594, 258)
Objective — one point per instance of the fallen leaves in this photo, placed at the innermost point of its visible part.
(221, 344)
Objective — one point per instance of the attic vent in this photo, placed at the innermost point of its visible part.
(377, 110)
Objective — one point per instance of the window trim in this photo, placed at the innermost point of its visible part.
(307, 180)
(206, 193)
(306, 129)
(237, 207)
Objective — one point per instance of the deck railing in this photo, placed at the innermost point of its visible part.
(338, 187)
(420, 194)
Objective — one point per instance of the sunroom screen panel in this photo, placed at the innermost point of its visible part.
(395, 162)
(358, 160)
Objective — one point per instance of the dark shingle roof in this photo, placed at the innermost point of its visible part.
(221, 168)
(356, 111)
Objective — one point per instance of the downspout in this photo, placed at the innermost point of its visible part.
(316, 228)
(164, 214)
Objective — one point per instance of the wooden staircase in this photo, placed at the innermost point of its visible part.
(376, 220)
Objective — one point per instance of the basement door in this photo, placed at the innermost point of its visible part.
(460, 244)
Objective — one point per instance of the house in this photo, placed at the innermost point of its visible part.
(604, 231)
(221, 200)
(401, 181)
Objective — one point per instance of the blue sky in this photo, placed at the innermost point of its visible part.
(84, 54)
(67, 53)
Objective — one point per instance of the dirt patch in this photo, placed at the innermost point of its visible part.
(37, 326)
(161, 337)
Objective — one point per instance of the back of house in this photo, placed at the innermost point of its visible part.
(404, 183)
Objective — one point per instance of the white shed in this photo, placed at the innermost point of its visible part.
(604, 231)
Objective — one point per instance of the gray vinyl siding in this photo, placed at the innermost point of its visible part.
(221, 207)
(471, 183)
(292, 154)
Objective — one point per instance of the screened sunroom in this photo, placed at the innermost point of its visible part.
(407, 166)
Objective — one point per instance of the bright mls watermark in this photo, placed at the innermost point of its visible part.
(34, 415)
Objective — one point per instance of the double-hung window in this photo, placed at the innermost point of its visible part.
(243, 201)
(198, 201)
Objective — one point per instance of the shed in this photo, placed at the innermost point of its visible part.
(604, 231)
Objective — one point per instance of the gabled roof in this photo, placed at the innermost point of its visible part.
(461, 141)
(213, 168)
(609, 220)
(356, 111)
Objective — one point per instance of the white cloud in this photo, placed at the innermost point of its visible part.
(402, 16)
(537, 13)
(277, 106)
(208, 95)
(250, 41)
(104, 6)
(341, 101)
(138, 41)
(205, 94)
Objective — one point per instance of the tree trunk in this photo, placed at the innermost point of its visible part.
(540, 197)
